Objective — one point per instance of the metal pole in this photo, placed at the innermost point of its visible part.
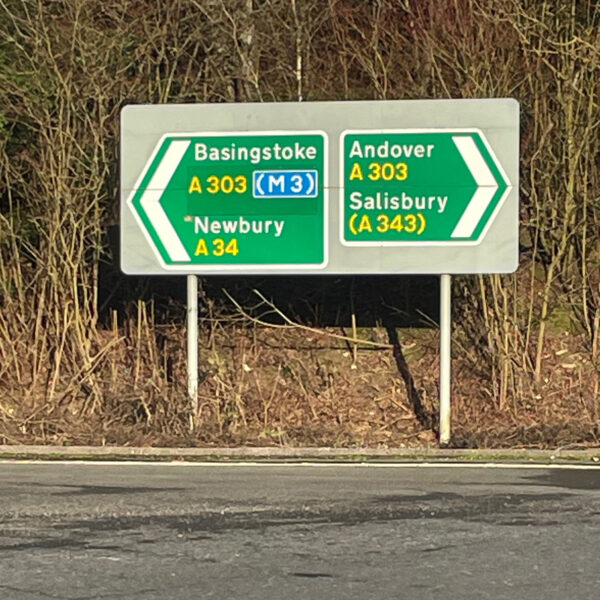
(192, 341)
(445, 356)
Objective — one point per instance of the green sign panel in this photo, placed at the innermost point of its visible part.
(222, 199)
(418, 187)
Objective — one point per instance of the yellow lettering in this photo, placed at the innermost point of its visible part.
(374, 171)
(227, 184)
(356, 172)
(365, 224)
(410, 223)
(384, 223)
(219, 247)
(201, 248)
(401, 171)
(397, 223)
(195, 185)
(241, 184)
(387, 171)
(232, 247)
(213, 181)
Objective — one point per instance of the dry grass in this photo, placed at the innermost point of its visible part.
(75, 369)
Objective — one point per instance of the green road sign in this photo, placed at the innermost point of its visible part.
(336, 188)
(222, 199)
(418, 187)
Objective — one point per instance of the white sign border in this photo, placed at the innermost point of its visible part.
(447, 130)
(192, 268)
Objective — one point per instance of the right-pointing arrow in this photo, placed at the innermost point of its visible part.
(150, 200)
(486, 186)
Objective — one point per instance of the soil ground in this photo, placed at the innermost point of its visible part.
(267, 381)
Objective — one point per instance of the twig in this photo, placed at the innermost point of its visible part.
(291, 324)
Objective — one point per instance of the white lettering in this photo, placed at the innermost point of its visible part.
(200, 151)
(204, 225)
(387, 150)
(244, 225)
(254, 154)
(355, 200)
(356, 150)
(277, 181)
(201, 224)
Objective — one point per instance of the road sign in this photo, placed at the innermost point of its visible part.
(247, 192)
(418, 187)
(285, 184)
(225, 199)
(388, 187)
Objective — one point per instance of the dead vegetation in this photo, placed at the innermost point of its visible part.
(88, 356)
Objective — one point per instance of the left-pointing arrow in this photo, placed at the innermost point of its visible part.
(150, 201)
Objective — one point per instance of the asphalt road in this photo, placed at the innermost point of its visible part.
(175, 531)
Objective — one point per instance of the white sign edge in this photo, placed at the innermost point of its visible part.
(431, 243)
(194, 269)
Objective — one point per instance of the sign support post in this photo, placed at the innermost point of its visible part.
(415, 187)
(445, 356)
(192, 343)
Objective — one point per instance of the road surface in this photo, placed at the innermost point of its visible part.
(179, 531)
